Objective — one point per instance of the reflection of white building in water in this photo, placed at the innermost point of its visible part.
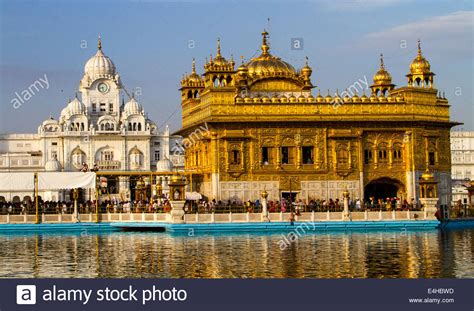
(94, 129)
(462, 163)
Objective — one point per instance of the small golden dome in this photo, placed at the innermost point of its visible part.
(382, 76)
(319, 98)
(283, 99)
(427, 176)
(247, 99)
(292, 98)
(420, 65)
(355, 98)
(306, 70)
(267, 64)
(310, 99)
(373, 98)
(364, 98)
(194, 77)
(257, 100)
(301, 99)
(275, 99)
(239, 100)
(219, 59)
(266, 99)
(328, 98)
(176, 178)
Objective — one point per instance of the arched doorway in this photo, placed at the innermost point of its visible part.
(383, 188)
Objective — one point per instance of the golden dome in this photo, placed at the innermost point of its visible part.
(382, 76)
(269, 65)
(420, 65)
(194, 77)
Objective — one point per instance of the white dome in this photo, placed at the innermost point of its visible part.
(132, 107)
(99, 66)
(53, 165)
(64, 113)
(76, 107)
(164, 165)
(49, 121)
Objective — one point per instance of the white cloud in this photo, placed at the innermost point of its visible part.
(447, 33)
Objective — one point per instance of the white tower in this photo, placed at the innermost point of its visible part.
(100, 88)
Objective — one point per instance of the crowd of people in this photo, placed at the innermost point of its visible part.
(163, 205)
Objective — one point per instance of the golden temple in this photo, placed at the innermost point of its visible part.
(260, 127)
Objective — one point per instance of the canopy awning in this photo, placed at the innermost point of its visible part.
(22, 181)
(17, 181)
(65, 180)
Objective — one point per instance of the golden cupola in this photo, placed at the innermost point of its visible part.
(219, 63)
(267, 65)
(192, 84)
(382, 80)
(420, 71)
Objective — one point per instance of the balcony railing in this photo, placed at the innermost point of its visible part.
(108, 165)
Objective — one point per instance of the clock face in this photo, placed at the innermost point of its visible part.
(103, 87)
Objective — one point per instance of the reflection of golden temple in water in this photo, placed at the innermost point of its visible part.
(429, 254)
(260, 126)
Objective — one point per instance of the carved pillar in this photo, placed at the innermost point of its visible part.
(215, 166)
(278, 151)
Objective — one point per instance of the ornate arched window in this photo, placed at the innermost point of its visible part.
(397, 151)
(382, 152)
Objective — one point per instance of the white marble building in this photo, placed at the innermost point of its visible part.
(462, 162)
(95, 128)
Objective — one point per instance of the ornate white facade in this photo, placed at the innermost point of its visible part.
(96, 128)
(462, 161)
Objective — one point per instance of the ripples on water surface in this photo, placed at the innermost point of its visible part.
(421, 254)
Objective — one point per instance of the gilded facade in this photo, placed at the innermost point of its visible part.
(259, 126)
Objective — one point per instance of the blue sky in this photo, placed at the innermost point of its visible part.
(149, 44)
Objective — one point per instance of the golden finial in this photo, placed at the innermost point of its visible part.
(242, 59)
(307, 60)
(265, 46)
(231, 58)
(211, 58)
(218, 47)
(194, 65)
(99, 43)
(381, 61)
(419, 47)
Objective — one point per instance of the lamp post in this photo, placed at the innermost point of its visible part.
(36, 199)
(75, 196)
(345, 195)
(264, 205)
(97, 200)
